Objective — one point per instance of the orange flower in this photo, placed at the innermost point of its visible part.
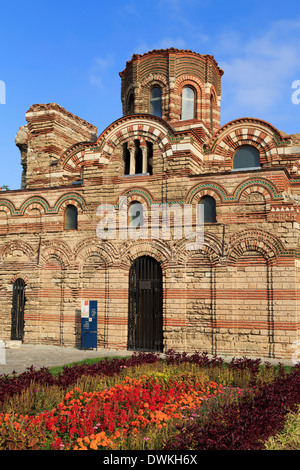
(93, 445)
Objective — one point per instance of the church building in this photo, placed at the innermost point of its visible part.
(184, 233)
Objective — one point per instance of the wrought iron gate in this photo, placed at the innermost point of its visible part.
(17, 313)
(145, 305)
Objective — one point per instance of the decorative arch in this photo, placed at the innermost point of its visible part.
(56, 249)
(263, 186)
(33, 209)
(246, 131)
(138, 194)
(157, 249)
(19, 276)
(212, 249)
(136, 127)
(26, 248)
(257, 240)
(74, 199)
(198, 87)
(8, 207)
(34, 202)
(147, 84)
(217, 191)
(92, 247)
(73, 157)
(75, 162)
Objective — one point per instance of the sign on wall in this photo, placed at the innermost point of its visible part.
(89, 324)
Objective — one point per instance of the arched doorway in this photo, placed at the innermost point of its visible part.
(145, 305)
(17, 312)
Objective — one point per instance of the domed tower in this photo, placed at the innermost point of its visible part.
(176, 85)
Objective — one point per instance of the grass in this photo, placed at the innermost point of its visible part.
(58, 369)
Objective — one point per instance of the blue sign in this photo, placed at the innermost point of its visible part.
(89, 324)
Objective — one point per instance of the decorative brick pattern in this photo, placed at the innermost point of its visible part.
(237, 294)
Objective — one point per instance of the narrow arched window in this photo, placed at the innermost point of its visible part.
(71, 216)
(188, 103)
(155, 101)
(208, 210)
(246, 156)
(17, 311)
(126, 158)
(149, 157)
(135, 215)
(131, 104)
(138, 158)
(211, 111)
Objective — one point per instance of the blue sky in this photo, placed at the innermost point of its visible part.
(71, 52)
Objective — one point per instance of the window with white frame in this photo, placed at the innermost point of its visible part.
(188, 103)
(156, 101)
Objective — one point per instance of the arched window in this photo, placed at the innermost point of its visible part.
(17, 311)
(188, 103)
(138, 157)
(135, 215)
(131, 104)
(126, 157)
(246, 156)
(71, 215)
(208, 210)
(211, 111)
(155, 101)
(149, 157)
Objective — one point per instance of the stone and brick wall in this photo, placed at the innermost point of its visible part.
(237, 294)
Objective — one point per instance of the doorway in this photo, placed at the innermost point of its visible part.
(145, 318)
(17, 313)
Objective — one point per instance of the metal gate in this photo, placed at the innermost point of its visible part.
(17, 313)
(145, 305)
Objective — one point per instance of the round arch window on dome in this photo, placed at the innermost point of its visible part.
(155, 101)
(246, 157)
(188, 103)
(130, 107)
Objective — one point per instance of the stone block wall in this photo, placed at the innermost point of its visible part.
(235, 294)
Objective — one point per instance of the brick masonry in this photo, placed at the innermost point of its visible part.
(238, 294)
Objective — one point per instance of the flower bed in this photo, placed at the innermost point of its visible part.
(245, 425)
(107, 419)
(181, 403)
